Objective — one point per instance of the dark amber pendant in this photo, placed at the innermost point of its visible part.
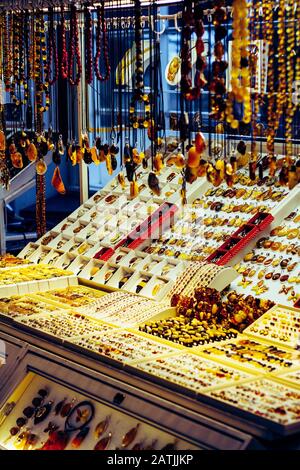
(66, 409)
(102, 427)
(59, 406)
(130, 436)
(103, 443)
(77, 441)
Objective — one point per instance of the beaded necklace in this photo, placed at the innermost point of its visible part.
(74, 50)
(240, 73)
(101, 43)
(88, 41)
(219, 65)
(7, 51)
(139, 96)
(290, 67)
(63, 41)
(281, 91)
(192, 22)
(52, 50)
(268, 16)
(41, 69)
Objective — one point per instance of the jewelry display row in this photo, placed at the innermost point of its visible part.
(105, 219)
(72, 296)
(264, 398)
(272, 267)
(28, 305)
(280, 325)
(123, 346)
(253, 355)
(192, 372)
(124, 310)
(49, 416)
(211, 219)
(64, 325)
(32, 277)
(10, 261)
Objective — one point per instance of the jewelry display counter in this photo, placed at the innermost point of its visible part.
(145, 412)
(236, 392)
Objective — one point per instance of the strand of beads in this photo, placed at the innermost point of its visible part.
(52, 50)
(74, 51)
(88, 41)
(240, 73)
(101, 43)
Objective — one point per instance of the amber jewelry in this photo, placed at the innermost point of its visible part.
(271, 111)
(281, 91)
(52, 50)
(74, 51)
(290, 55)
(193, 22)
(63, 41)
(88, 40)
(41, 70)
(240, 73)
(139, 121)
(219, 66)
(101, 44)
(7, 50)
(18, 57)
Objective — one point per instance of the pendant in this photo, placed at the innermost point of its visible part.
(66, 408)
(103, 443)
(59, 406)
(102, 427)
(42, 412)
(79, 438)
(130, 436)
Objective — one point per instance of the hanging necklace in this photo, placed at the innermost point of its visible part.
(63, 41)
(219, 66)
(41, 70)
(101, 43)
(7, 51)
(290, 67)
(139, 121)
(193, 22)
(271, 112)
(240, 73)
(52, 50)
(88, 41)
(74, 50)
(16, 59)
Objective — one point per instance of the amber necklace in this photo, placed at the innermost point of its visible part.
(290, 65)
(240, 74)
(281, 91)
(52, 50)
(269, 37)
(219, 66)
(41, 70)
(101, 45)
